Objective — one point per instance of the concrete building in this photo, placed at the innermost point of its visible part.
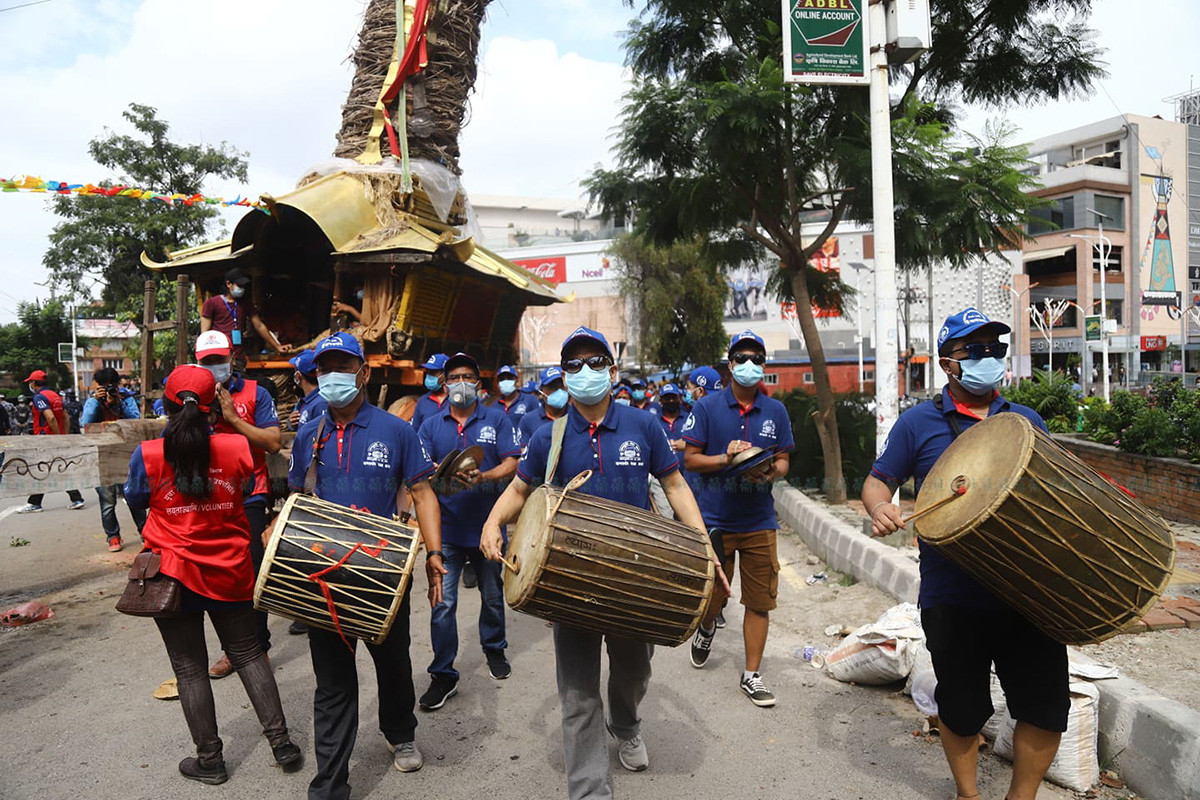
(107, 343)
(508, 222)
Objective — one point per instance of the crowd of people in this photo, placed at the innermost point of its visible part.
(203, 502)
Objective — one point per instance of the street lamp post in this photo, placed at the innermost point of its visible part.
(858, 267)
(1046, 318)
(1103, 249)
(1017, 326)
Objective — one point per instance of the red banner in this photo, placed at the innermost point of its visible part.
(1152, 343)
(552, 268)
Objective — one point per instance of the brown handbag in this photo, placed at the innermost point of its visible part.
(149, 593)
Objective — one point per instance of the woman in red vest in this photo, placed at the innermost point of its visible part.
(192, 481)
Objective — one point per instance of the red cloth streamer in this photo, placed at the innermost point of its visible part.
(1119, 486)
(319, 578)
(415, 54)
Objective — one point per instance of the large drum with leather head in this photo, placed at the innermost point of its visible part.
(336, 568)
(1073, 552)
(608, 567)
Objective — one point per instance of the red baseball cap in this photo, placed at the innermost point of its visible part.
(212, 343)
(37, 375)
(193, 379)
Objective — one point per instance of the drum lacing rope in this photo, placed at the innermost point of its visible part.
(319, 579)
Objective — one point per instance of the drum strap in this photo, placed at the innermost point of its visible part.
(557, 433)
(955, 425)
(310, 477)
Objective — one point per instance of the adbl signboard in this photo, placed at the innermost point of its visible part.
(825, 41)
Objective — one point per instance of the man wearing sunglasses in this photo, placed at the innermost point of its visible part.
(967, 628)
(740, 512)
(623, 447)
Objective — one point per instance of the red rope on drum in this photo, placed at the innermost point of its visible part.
(319, 579)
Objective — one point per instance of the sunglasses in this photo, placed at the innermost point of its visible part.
(978, 350)
(573, 365)
(742, 358)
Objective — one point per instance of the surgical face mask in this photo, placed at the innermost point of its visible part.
(981, 375)
(557, 399)
(507, 387)
(462, 394)
(236, 291)
(689, 397)
(338, 388)
(623, 400)
(747, 374)
(639, 395)
(588, 386)
(432, 382)
(221, 372)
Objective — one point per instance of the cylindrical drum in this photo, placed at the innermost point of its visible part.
(336, 568)
(608, 567)
(1073, 552)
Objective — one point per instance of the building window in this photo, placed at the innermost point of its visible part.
(868, 375)
(808, 377)
(1059, 214)
(771, 379)
(1113, 208)
(1099, 154)
(113, 363)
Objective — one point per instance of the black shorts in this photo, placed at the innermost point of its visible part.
(1032, 668)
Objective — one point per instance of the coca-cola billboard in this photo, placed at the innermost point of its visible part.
(551, 268)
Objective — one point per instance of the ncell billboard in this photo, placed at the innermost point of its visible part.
(825, 41)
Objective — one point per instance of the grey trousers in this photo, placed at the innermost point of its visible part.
(585, 744)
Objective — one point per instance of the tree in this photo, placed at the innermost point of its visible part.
(713, 143)
(679, 294)
(32, 342)
(100, 239)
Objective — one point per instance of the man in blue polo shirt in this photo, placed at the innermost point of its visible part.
(554, 397)
(966, 627)
(700, 382)
(639, 397)
(434, 398)
(740, 512)
(623, 447)
(465, 423)
(509, 397)
(672, 417)
(364, 457)
(310, 405)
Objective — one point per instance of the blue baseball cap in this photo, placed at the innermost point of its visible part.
(966, 322)
(746, 336)
(637, 383)
(507, 369)
(305, 363)
(435, 363)
(586, 333)
(550, 375)
(669, 388)
(619, 388)
(458, 360)
(340, 342)
(706, 378)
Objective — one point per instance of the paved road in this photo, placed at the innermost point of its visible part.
(78, 720)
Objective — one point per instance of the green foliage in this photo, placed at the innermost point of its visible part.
(1125, 406)
(1050, 394)
(679, 294)
(1096, 420)
(1151, 433)
(100, 240)
(856, 427)
(32, 342)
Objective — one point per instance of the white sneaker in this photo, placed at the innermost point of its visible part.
(406, 757)
(631, 752)
(29, 508)
(78, 504)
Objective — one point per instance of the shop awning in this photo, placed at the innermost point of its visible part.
(1042, 255)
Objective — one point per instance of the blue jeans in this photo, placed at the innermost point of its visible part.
(443, 624)
(108, 511)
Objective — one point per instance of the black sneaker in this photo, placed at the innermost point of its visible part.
(720, 619)
(442, 689)
(288, 756)
(297, 628)
(498, 665)
(193, 770)
(757, 691)
(702, 646)
(469, 578)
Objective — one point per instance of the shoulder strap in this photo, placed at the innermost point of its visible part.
(952, 418)
(310, 477)
(557, 432)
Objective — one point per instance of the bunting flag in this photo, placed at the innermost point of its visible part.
(30, 183)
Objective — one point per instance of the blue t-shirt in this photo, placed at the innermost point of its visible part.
(916, 441)
(623, 451)
(531, 422)
(426, 407)
(93, 411)
(464, 513)
(311, 406)
(730, 504)
(363, 464)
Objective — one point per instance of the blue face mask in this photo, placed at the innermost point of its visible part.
(507, 387)
(432, 382)
(338, 388)
(557, 399)
(747, 374)
(623, 400)
(588, 386)
(981, 375)
(689, 397)
(639, 395)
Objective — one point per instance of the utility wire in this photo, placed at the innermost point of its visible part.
(24, 5)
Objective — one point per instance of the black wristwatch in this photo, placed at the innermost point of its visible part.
(431, 553)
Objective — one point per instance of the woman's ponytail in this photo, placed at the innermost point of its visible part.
(186, 446)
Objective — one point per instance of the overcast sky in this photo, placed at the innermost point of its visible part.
(269, 78)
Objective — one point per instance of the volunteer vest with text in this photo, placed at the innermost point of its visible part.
(244, 402)
(40, 428)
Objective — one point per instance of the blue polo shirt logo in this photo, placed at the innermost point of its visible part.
(630, 455)
(378, 455)
(768, 429)
(691, 423)
(487, 434)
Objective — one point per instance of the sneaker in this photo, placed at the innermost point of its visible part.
(192, 769)
(442, 689)
(757, 691)
(702, 646)
(498, 665)
(78, 504)
(631, 752)
(115, 545)
(29, 508)
(288, 756)
(469, 579)
(297, 628)
(720, 619)
(406, 757)
(221, 669)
